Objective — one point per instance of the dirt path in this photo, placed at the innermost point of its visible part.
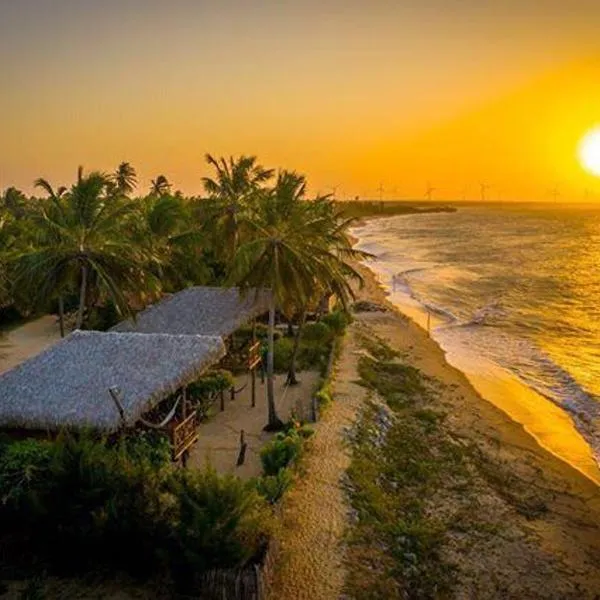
(314, 513)
(27, 340)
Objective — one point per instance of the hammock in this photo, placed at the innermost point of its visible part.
(165, 420)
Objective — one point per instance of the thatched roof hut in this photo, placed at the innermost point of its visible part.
(68, 384)
(200, 310)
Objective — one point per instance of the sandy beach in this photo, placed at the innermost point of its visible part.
(553, 554)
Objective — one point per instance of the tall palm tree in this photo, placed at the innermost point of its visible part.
(160, 186)
(233, 190)
(288, 252)
(125, 179)
(172, 241)
(83, 240)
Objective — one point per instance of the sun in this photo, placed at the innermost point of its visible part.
(589, 151)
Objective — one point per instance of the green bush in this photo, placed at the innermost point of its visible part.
(121, 504)
(219, 522)
(280, 452)
(210, 383)
(152, 446)
(24, 467)
(337, 321)
(273, 487)
(323, 396)
(282, 354)
(317, 332)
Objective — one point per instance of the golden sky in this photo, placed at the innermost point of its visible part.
(352, 93)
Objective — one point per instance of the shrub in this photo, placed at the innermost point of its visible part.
(211, 383)
(151, 446)
(337, 321)
(24, 467)
(280, 452)
(273, 487)
(317, 332)
(282, 354)
(119, 505)
(218, 522)
(323, 396)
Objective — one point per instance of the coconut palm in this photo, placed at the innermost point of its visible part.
(83, 241)
(172, 241)
(160, 186)
(289, 251)
(125, 179)
(233, 190)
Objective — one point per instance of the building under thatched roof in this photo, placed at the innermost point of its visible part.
(200, 311)
(68, 384)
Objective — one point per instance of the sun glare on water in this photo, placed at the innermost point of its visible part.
(589, 151)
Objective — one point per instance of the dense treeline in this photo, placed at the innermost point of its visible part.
(96, 252)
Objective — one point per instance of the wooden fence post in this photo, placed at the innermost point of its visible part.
(243, 447)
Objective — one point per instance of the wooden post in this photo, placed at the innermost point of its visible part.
(253, 372)
(222, 395)
(243, 446)
(314, 409)
(114, 394)
(428, 321)
(233, 392)
(184, 456)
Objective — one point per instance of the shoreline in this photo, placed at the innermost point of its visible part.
(551, 426)
(524, 524)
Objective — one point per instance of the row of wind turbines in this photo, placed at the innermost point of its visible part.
(484, 193)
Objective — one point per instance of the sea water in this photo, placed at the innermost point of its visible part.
(511, 289)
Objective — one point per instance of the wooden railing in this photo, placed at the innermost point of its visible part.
(184, 435)
(254, 356)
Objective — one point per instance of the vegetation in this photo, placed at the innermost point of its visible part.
(120, 505)
(278, 456)
(94, 248)
(94, 253)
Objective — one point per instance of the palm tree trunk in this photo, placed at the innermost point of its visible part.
(274, 422)
(292, 370)
(82, 295)
(61, 316)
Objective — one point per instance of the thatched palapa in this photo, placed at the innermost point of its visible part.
(68, 384)
(201, 311)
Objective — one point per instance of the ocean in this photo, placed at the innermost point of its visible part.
(509, 291)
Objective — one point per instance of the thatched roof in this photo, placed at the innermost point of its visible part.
(200, 311)
(68, 384)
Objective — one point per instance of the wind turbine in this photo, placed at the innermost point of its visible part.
(429, 192)
(380, 189)
(555, 193)
(484, 187)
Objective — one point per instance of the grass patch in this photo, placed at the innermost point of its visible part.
(398, 465)
(423, 499)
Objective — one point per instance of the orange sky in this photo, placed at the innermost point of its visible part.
(453, 92)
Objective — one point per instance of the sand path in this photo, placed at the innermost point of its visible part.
(314, 513)
(27, 340)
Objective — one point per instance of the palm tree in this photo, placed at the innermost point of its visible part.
(160, 186)
(233, 191)
(125, 179)
(288, 251)
(171, 240)
(83, 240)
